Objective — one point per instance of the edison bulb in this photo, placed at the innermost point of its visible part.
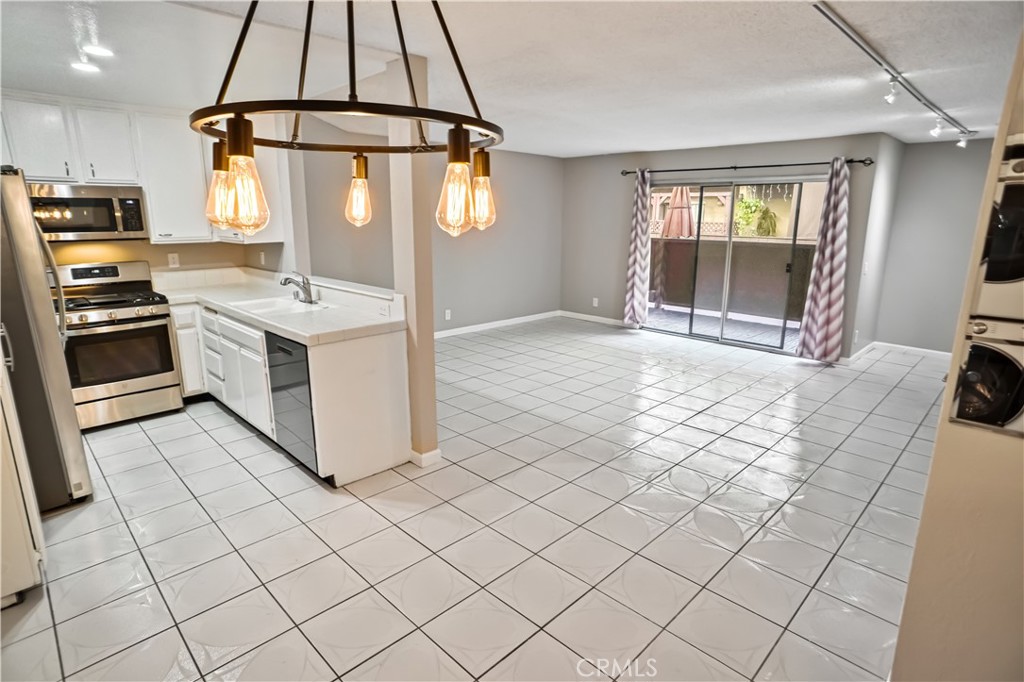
(455, 208)
(483, 203)
(217, 206)
(357, 209)
(247, 206)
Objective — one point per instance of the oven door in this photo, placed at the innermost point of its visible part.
(120, 359)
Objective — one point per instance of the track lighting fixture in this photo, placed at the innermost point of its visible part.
(962, 142)
(937, 130)
(891, 97)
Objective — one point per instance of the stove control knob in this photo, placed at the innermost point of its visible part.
(152, 309)
(67, 319)
(112, 314)
(138, 311)
(83, 318)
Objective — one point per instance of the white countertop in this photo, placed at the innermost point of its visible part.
(336, 321)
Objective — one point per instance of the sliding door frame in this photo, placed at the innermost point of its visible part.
(732, 183)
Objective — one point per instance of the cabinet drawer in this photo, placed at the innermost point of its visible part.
(211, 341)
(214, 363)
(243, 335)
(215, 387)
(210, 321)
(183, 317)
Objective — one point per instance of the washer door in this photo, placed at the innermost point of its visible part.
(991, 387)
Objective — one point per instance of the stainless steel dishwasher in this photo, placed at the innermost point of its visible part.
(288, 364)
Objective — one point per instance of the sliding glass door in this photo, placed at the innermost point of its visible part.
(731, 262)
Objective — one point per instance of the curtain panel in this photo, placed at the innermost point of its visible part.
(821, 332)
(638, 274)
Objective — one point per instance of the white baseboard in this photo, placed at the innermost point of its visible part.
(426, 459)
(591, 318)
(943, 354)
(882, 345)
(497, 323)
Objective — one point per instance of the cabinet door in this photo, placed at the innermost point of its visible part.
(234, 391)
(40, 140)
(257, 391)
(105, 139)
(190, 361)
(172, 173)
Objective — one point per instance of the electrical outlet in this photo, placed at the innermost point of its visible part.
(447, 313)
(594, 303)
(263, 258)
(856, 333)
(173, 261)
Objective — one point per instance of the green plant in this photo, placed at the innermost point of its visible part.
(745, 212)
(767, 222)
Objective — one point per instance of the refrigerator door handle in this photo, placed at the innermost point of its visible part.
(5, 347)
(62, 323)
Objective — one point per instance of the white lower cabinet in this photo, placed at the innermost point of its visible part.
(235, 360)
(188, 337)
(256, 390)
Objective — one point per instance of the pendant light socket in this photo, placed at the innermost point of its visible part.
(458, 145)
(481, 164)
(220, 155)
(360, 167)
(240, 140)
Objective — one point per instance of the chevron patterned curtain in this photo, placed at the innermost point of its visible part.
(638, 274)
(821, 332)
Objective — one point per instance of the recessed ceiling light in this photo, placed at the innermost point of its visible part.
(97, 51)
(85, 66)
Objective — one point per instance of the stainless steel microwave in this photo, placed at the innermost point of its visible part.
(89, 212)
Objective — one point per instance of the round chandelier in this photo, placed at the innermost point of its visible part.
(236, 200)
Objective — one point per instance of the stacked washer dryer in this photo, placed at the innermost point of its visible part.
(990, 388)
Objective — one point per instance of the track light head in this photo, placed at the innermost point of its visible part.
(893, 92)
(962, 142)
(937, 130)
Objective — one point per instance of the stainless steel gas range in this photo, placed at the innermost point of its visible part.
(120, 348)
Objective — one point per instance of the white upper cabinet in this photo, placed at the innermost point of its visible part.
(105, 140)
(272, 165)
(172, 175)
(40, 140)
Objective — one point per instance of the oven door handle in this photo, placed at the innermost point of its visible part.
(112, 328)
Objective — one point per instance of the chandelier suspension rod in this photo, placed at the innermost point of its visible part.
(238, 51)
(408, 71)
(353, 96)
(455, 58)
(302, 67)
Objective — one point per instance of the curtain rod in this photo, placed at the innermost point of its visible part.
(866, 161)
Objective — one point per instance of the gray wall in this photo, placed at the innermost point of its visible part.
(597, 205)
(930, 242)
(337, 248)
(512, 268)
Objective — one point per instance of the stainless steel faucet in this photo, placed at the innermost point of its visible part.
(305, 292)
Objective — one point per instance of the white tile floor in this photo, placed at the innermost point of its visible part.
(721, 512)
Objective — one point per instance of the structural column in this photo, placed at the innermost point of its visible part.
(411, 235)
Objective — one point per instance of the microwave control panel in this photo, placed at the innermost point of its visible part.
(131, 215)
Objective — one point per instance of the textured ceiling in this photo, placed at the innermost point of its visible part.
(580, 78)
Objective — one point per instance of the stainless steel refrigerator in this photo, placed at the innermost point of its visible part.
(34, 351)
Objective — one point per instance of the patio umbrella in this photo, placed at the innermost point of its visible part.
(679, 219)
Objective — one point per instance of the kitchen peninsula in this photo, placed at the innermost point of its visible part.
(327, 381)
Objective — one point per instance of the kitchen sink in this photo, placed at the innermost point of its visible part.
(279, 306)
